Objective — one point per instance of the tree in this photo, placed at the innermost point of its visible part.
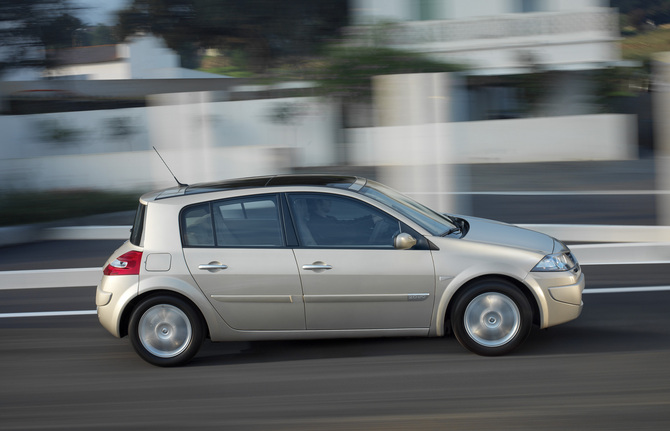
(101, 35)
(28, 27)
(638, 12)
(265, 29)
(60, 32)
(346, 72)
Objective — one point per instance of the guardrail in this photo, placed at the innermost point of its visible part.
(610, 245)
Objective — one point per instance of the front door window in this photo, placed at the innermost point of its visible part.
(334, 221)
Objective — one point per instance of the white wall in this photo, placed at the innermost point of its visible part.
(187, 119)
(491, 34)
(107, 70)
(563, 55)
(137, 170)
(573, 138)
(372, 11)
(65, 133)
(143, 57)
(204, 141)
(504, 41)
(592, 137)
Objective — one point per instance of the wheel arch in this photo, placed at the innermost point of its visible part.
(443, 326)
(124, 321)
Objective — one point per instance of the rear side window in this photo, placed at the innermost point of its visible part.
(252, 221)
(138, 225)
(196, 222)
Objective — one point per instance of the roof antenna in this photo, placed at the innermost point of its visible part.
(168, 168)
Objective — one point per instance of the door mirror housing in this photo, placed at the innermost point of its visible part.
(404, 241)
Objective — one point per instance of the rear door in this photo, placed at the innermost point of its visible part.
(235, 249)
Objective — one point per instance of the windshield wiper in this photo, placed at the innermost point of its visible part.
(454, 221)
(452, 230)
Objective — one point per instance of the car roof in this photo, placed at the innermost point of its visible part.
(337, 181)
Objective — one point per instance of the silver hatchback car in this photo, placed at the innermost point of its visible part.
(314, 256)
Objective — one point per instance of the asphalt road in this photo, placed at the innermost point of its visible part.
(607, 370)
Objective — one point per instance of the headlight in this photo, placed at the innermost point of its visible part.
(563, 261)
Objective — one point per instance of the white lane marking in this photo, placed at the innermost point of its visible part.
(642, 262)
(552, 193)
(48, 314)
(50, 278)
(91, 312)
(87, 232)
(629, 289)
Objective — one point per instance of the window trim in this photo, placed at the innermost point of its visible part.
(276, 197)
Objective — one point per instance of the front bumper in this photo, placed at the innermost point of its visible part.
(559, 296)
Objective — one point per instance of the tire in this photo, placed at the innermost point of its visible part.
(491, 317)
(166, 331)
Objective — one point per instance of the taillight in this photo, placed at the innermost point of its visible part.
(126, 264)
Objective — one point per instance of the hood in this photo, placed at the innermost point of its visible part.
(494, 232)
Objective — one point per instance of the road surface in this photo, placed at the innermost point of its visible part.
(607, 370)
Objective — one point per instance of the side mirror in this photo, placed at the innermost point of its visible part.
(404, 241)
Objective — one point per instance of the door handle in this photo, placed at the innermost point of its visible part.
(212, 266)
(317, 266)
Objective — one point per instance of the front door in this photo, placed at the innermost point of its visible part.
(352, 276)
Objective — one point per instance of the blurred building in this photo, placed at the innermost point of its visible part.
(527, 95)
(529, 91)
(502, 36)
(525, 57)
(140, 57)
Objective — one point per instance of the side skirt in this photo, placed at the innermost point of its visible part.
(319, 334)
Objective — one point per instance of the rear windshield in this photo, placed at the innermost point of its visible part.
(138, 225)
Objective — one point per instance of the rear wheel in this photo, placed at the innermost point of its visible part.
(491, 317)
(166, 330)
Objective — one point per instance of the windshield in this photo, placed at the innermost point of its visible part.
(435, 223)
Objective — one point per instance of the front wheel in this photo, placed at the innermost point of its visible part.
(491, 318)
(166, 331)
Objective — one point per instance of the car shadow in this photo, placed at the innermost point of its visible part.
(293, 350)
(560, 340)
(609, 323)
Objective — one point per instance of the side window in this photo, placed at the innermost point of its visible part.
(196, 226)
(324, 220)
(248, 222)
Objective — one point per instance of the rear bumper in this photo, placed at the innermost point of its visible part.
(111, 296)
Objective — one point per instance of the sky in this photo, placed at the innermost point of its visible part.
(98, 11)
